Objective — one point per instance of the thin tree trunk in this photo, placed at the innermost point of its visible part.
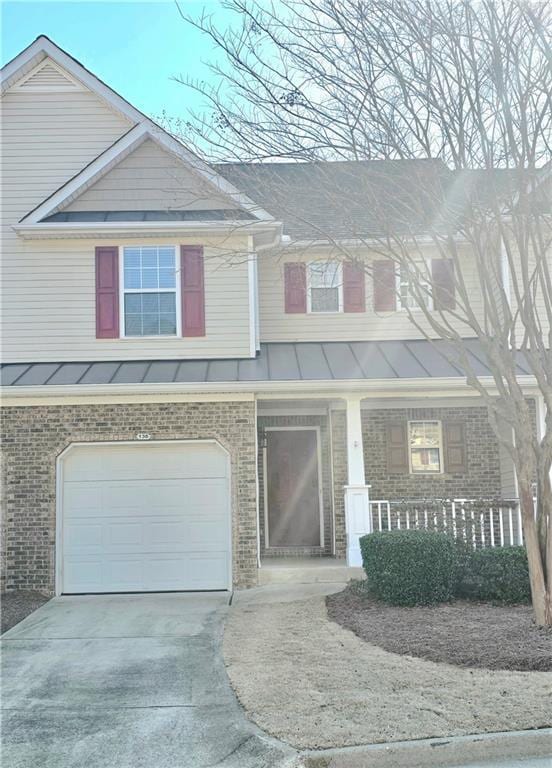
(539, 593)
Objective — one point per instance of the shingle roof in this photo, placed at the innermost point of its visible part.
(348, 199)
(276, 362)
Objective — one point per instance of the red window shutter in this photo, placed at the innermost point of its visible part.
(295, 279)
(107, 292)
(192, 290)
(385, 286)
(354, 293)
(442, 273)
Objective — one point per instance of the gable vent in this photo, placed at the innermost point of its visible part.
(48, 77)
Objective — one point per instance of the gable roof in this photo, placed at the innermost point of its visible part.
(43, 48)
(121, 149)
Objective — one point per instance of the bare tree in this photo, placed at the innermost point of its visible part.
(467, 85)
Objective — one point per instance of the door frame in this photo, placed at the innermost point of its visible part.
(58, 565)
(293, 428)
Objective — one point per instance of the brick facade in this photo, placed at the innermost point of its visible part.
(339, 454)
(33, 437)
(481, 480)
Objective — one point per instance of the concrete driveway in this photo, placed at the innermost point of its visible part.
(126, 681)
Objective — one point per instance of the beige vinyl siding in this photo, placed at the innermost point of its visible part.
(47, 137)
(150, 179)
(48, 286)
(50, 312)
(276, 325)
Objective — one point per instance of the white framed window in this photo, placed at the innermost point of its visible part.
(324, 287)
(150, 304)
(425, 447)
(407, 300)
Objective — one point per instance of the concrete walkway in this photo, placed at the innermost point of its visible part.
(125, 681)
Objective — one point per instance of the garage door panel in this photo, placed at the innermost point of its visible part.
(142, 534)
(207, 570)
(161, 462)
(83, 536)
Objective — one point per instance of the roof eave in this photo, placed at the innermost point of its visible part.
(385, 388)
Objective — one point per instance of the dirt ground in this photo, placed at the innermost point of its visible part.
(304, 679)
(462, 633)
(15, 606)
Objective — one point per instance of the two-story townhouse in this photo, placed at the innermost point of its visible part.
(194, 384)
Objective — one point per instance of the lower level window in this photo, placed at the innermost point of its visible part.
(425, 446)
(150, 291)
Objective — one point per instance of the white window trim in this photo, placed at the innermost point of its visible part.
(441, 447)
(338, 311)
(416, 308)
(123, 291)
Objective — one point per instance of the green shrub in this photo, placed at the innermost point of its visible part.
(463, 572)
(498, 575)
(409, 567)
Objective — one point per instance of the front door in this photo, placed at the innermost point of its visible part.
(293, 498)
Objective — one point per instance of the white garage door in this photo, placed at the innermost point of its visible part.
(145, 517)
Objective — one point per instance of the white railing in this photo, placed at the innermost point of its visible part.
(481, 523)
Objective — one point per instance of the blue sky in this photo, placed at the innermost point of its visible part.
(135, 47)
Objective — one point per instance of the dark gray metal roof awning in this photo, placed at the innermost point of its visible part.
(276, 362)
(222, 214)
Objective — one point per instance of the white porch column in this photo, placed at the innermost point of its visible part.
(358, 520)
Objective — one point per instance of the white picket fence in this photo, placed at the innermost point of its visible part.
(480, 523)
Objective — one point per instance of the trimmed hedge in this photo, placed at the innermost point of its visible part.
(498, 575)
(409, 567)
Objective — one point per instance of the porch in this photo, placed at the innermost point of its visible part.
(332, 469)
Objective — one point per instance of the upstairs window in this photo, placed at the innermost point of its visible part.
(425, 447)
(407, 299)
(150, 301)
(325, 287)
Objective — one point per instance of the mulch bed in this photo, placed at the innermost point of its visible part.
(15, 606)
(462, 633)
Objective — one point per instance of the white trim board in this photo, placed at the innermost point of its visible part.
(385, 389)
